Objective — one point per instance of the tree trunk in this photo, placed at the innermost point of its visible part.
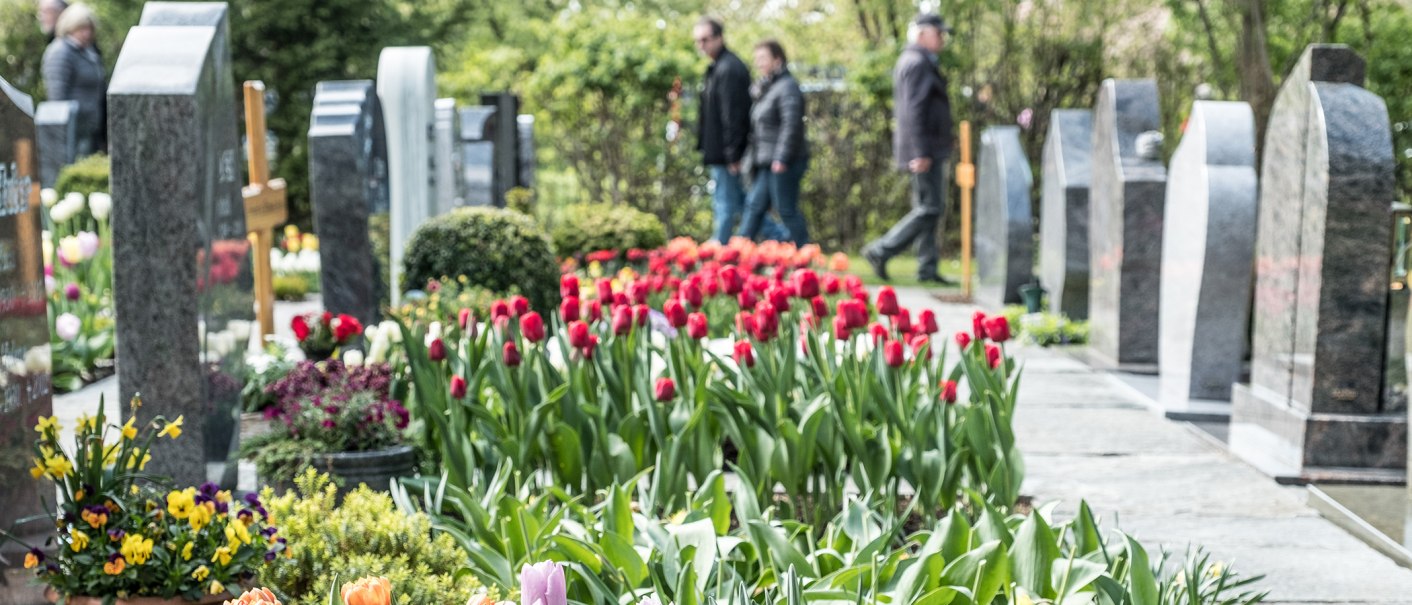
(1257, 81)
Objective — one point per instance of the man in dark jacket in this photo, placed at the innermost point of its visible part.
(921, 141)
(724, 129)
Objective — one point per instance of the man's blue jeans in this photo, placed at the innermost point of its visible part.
(728, 203)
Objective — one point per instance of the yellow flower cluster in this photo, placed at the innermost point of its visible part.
(77, 540)
(94, 517)
(136, 548)
(181, 503)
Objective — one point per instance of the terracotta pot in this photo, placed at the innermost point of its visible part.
(53, 597)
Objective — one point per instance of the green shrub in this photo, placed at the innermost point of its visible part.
(495, 249)
(583, 228)
(520, 199)
(291, 287)
(364, 536)
(85, 176)
(1045, 329)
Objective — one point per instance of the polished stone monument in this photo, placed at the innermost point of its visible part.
(1063, 224)
(407, 90)
(58, 138)
(1126, 199)
(478, 154)
(182, 281)
(506, 155)
(24, 326)
(348, 188)
(446, 156)
(1313, 410)
(1004, 229)
(1207, 254)
(525, 124)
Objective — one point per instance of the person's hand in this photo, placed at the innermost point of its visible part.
(734, 168)
(778, 167)
(919, 165)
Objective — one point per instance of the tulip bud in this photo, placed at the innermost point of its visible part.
(568, 285)
(820, 306)
(887, 301)
(928, 322)
(605, 290)
(463, 318)
(832, 285)
(595, 310)
(841, 329)
(532, 326)
(902, 321)
(675, 312)
(578, 334)
(691, 293)
(665, 389)
(921, 346)
(779, 297)
(948, 391)
(978, 325)
(992, 355)
(963, 340)
(511, 354)
(892, 353)
(499, 309)
(637, 291)
(744, 354)
(569, 308)
(458, 387)
(639, 314)
(747, 299)
(731, 282)
(879, 332)
(437, 350)
(696, 326)
(997, 328)
(519, 304)
(622, 319)
(592, 344)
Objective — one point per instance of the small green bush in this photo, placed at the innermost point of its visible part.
(291, 287)
(85, 176)
(520, 199)
(583, 228)
(495, 249)
(364, 536)
(1045, 329)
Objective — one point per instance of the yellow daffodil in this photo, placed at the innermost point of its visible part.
(58, 467)
(130, 428)
(38, 470)
(173, 428)
(200, 516)
(186, 551)
(179, 504)
(216, 587)
(115, 566)
(110, 455)
(140, 464)
(77, 540)
(45, 424)
(136, 402)
(87, 424)
(136, 548)
(223, 555)
(200, 574)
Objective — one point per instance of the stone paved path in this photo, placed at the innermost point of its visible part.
(1085, 435)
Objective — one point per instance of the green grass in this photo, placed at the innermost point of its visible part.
(903, 270)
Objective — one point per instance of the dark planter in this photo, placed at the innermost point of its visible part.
(376, 468)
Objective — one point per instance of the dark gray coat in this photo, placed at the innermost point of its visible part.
(922, 109)
(777, 122)
(724, 119)
(75, 74)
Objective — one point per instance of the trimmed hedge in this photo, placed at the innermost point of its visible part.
(84, 176)
(494, 248)
(583, 228)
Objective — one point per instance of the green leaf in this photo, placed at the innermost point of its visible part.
(1072, 576)
(983, 570)
(624, 557)
(1033, 554)
(1142, 587)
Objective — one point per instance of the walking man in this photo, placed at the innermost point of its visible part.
(921, 141)
(724, 130)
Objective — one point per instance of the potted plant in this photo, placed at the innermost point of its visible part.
(322, 334)
(337, 418)
(124, 539)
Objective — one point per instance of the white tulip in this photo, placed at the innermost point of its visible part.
(48, 197)
(394, 333)
(353, 358)
(67, 326)
(377, 353)
(240, 328)
(101, 204)
(75, 199)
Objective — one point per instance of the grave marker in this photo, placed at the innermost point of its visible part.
(265, 206)
(1004, 232)
(58, 138)
(407, 90)
(1063, 234)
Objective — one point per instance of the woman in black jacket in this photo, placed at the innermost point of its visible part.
(779, 152)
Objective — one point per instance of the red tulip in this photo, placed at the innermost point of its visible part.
(978, 325)
(676, 314)
(887, 301)
(578, 334)
(463, 318)
(744, 354)
(637, 292)
(948, 391)
(997, 328)
(622, 319)
(568, 285)
(892, 353)
(744, 321)
(808, 321)
(859, 295)
(731, 282)
(499, 309)
(747, 299)
(806, 282)
(569, 308)
(512, 354)
(519, 304)
(621, 299)
(841, 329)
(831, 284)
(992, 355)
(588, 348)
(963, 340)
(852, 282)
(767, 322)
(532, 326)
(821, 306)
(902, 321)
(300, 326)
(458, 387)
(595, 310)
(437, 350)
(605, 290)
(696, 326)
(921, 346)
(326, 318)
(857, 314)
(879, 332)
(639, 314)
(928, 321)
(691, 293)
(665, 389)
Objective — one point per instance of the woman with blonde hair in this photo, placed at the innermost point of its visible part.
(74, 71)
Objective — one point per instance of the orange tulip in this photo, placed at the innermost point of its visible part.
(368, 591)
(255, 596)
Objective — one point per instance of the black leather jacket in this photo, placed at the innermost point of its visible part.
(724, 126)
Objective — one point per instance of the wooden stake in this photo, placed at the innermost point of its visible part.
(966, 180)
(264, 205)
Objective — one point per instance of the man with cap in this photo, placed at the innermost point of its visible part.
(921, 142)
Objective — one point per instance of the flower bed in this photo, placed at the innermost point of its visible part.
(78, 274)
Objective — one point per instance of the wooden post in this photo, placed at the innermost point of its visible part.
(966, 180)
(264, 205)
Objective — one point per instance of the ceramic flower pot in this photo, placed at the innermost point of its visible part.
(53, 597)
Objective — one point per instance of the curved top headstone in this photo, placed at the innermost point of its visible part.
(1069, 146)
(1004, 235)
(1125, 110)
(1067, 168)
(407, 88)
(147, 64)
(477, 122)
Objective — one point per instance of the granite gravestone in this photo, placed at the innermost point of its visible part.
(478, 154)
(1063, 225)
(1004, 231)
(1313, 409)
(506, 158)
(182, 281)
(447, 158)
(525, 123)
(1128, 185)
(407, 91)
(1207, 254)
(24, 324)
(348, 188)
(58, 138)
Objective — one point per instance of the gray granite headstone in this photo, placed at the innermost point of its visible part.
(1207, 254)
(506, 162)
(478, 154)
(525, 122)
(1063, 224)
(1125, 220)
(24, 324)
(446, 158)
(58, 138)
(1004, 229)
(348, 188)
(1314, 408)
(182, 283)
(407, 90)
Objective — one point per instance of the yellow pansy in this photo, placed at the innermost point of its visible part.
(223, 555)
(186, 551)
(114, 567)
(173, 428)
(58, 466)
(45, 424)
(130, 428)
(236, 534)
(216, 587)
(136, 548)
(200, 516)
(223, 496)
(77, 540)
(200, 574)
(180, 504)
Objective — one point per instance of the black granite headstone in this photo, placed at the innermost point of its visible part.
(478, 125)
(1125, 219)
(1004, 229)
(506, 162)
(181, 268)
(58, 138)
(1314, 407)
(1063, 225)
(348, 186)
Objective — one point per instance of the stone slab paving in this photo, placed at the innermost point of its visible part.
(1087, 435)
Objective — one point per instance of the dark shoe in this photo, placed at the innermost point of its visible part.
(936, 279)
(877, 261)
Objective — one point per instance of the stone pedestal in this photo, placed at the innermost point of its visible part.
(446, 157)
(478, 126)
(58, 138)
(506, 162)
(407, 90)
(182, 283)
(1063, 223)
(1208, 248)
(1004, 229)
(348, 188)
(1126, 204)
(525, 124)
(1314, 409)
